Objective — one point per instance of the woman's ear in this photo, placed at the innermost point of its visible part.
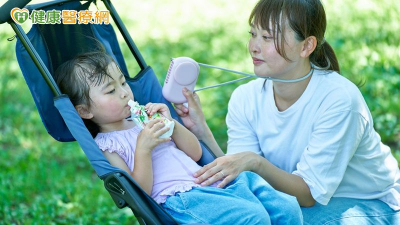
(309, 46)
(84, 112)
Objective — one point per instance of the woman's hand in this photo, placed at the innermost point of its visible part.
(192, 117)
(149, 137)
(225, 168)
(158, 107)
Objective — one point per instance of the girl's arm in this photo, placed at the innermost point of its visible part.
(143, 170)
(183, 138)
(209, 140)
(186, 141)
(147, 140)
(142, 173)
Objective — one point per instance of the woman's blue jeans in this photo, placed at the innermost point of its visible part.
(348, 211)
(249, 199)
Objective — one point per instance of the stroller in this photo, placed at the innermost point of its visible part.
(43, 49)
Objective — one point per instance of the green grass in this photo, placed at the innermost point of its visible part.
(46, 182)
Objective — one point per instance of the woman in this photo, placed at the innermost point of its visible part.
(312, 139)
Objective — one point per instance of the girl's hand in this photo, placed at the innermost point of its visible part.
(225, 168)
(158, 107)
(192, 117)
(149, 137)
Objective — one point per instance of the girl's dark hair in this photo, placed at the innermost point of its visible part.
(305, 17)
(75, 76)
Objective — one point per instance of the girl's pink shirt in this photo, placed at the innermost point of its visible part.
(172, 169)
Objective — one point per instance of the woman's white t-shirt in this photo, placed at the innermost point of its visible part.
(326, 137)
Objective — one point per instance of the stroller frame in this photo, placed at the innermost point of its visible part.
(122, 188)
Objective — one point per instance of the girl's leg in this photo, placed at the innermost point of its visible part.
(211, 205)
(351, 211)
(282, 208)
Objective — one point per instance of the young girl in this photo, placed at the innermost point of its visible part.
(164, 167)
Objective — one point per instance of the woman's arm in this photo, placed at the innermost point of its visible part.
(193, 119)
(232, 165)
(282, 180)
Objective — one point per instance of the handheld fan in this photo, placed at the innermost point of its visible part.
(182, 72)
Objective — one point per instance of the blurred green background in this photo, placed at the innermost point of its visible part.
(46, 182)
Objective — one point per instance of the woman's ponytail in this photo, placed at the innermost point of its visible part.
(324, 57)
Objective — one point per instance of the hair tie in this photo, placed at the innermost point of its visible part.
(323, 41)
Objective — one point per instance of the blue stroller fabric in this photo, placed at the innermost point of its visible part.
(57, 43)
